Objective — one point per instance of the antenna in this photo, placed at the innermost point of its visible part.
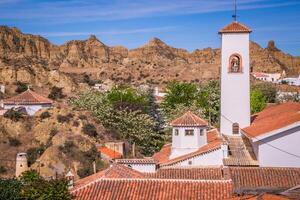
(234, 16)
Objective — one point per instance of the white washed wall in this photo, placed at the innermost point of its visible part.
(235, 87)
(143, 167)
(209, 159)
(182, 144)
(31, 109)
(288, 141)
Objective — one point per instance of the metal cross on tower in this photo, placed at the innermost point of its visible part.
(234, 16)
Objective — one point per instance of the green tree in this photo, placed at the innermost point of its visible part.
(179, 93)
(257, 101)
(35, 187)
(135, 125)
(122, 97)
(10, 189)
(208, 100)
(269, 90)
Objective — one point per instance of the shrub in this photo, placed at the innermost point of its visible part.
(67, 147)
(2, 169)
(82, 117)
(53, 132)
(76, 123)
(21, 87)
(13, 115)
(34, 153)
(14, 142)
(63, 119)
(45, 115)
(56, 93)
(90, 130)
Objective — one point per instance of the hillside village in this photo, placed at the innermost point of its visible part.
(216, 123)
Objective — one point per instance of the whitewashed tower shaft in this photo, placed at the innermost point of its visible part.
(235, 78)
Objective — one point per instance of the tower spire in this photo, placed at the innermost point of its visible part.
(234, 16)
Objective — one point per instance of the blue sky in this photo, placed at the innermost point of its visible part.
(189, 24)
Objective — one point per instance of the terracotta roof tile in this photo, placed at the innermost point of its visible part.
(260, 197)
(109, 152)
(189, 119)
(214, 142)
(264, 178)
(28, 98)
(273, 118)
(259, 75)
(116, 171)
(213, 173)
(235, 27)
(158, 189)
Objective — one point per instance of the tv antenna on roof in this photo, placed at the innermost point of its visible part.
(234, 16)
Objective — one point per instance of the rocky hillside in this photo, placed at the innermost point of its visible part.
(55, 137)
(33, 59)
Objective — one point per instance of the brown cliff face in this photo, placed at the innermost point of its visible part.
(154, 63)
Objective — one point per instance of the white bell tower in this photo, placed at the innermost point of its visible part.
(235, 78)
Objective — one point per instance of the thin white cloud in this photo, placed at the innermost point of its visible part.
(92, 10)
(112, 32)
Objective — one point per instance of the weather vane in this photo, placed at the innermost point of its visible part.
(235, 11)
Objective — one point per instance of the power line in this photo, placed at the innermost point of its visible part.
(248, 134)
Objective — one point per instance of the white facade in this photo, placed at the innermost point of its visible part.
(212, 158)
(143, 167)
(286, 139)
(267, 77)
(31, 109)
(184, 144)
(291, 81)
(235, 87)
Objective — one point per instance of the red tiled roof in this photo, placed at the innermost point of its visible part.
(273, 118)
(235, 27)
(213, 173)
(116, 171)
(28, 98)
(189, 119)
(136, 161)
(158, 189)
(109, 152)
(259, 74)
(267, 178)
(260, 197)
(214, 142)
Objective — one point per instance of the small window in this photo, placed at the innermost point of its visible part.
(189, 132)
(190, 162)
(201, 132)
(235, 128)
(176, 132)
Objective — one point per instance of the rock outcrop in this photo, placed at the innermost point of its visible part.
(33, 59)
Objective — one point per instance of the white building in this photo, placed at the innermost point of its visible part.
(29, 100)
(235, 80)
(192, 144)
(268, 77)
(275, 135)
(291, 81)
(146, 165)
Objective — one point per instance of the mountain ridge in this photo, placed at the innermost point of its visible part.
(153, 63)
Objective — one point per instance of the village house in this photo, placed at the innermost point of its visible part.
(268, 77)
(112, 150)
(29, 100)
(291, 81)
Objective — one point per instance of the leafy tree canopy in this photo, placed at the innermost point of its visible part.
(257, 101)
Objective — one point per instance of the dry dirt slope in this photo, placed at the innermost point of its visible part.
(49, 136)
